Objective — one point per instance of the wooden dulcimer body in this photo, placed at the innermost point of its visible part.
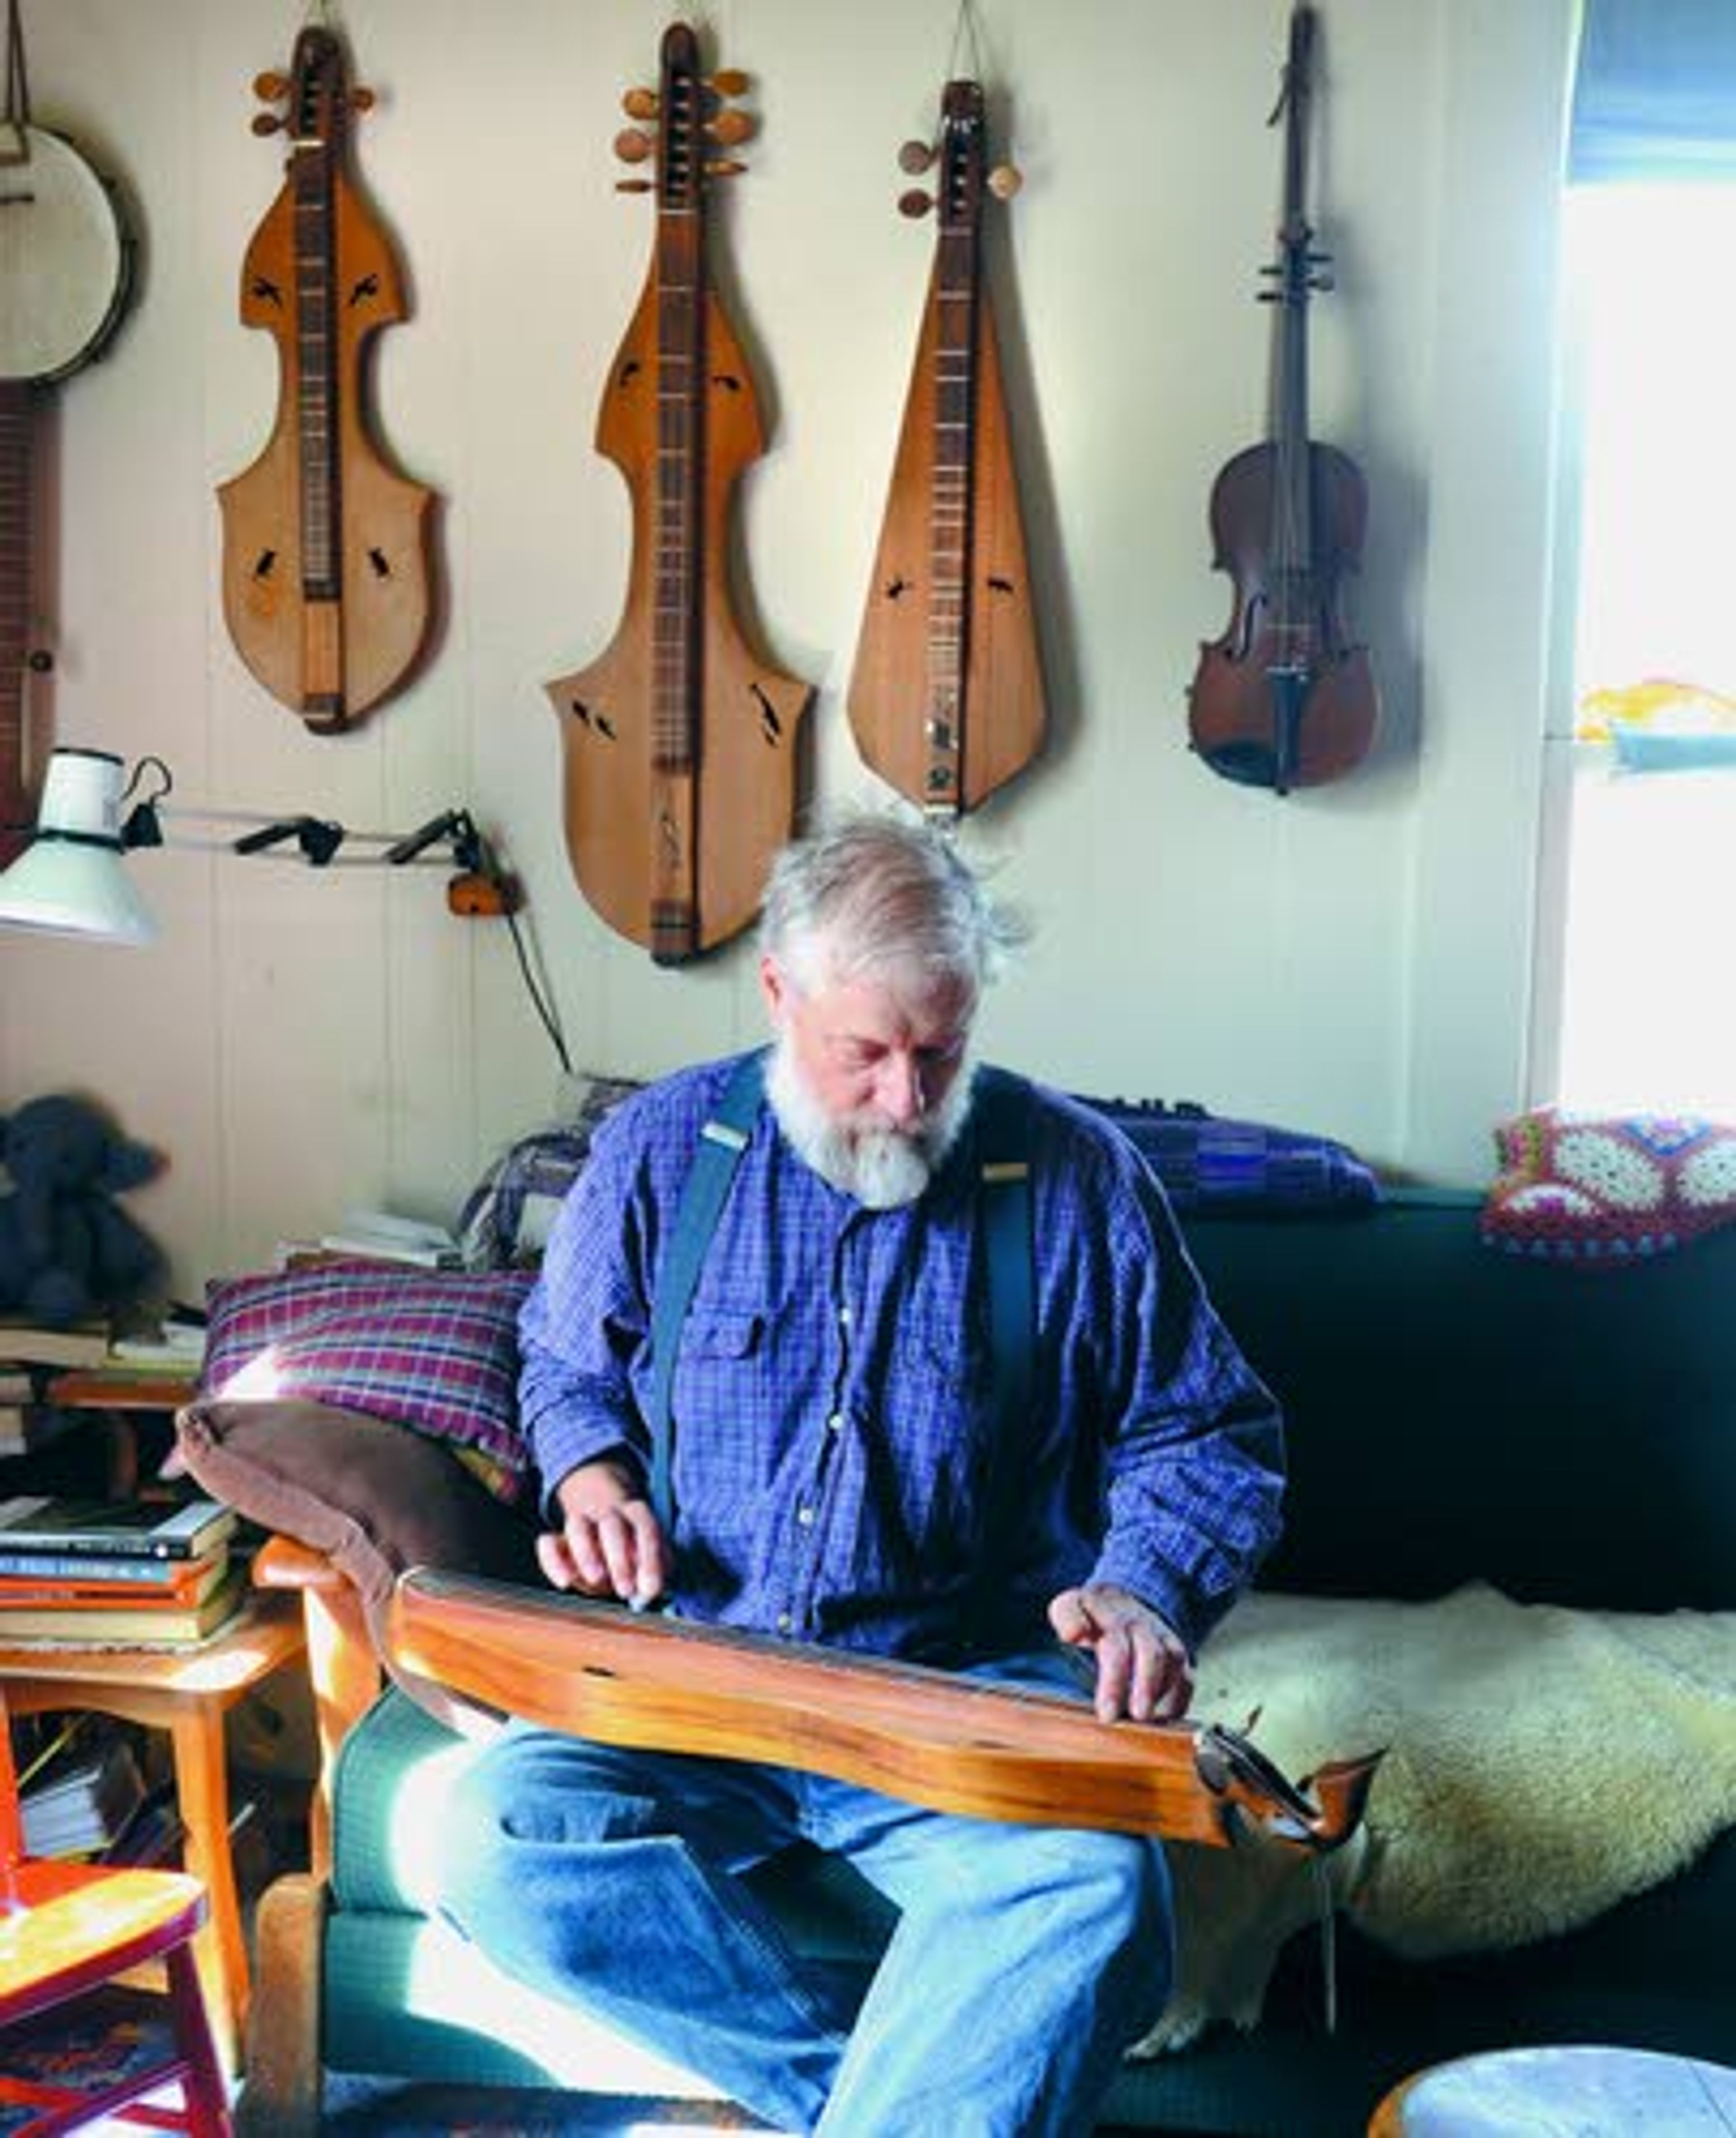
(326, 546)
(929, 1736)
(680, 741)
(946, 700)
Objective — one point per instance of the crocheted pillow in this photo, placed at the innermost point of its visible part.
(1608, 1188)
(434, 1350)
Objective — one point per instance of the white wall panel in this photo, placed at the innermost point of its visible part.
(1352, 959)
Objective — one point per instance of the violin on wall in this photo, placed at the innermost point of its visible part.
(326, 546)
(680, 741)
(946, 699)
(1285, 698)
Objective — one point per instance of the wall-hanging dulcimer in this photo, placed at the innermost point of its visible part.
(946, 701)
(325, 545)
(1285, 699)
(679, 742)
(66, 272)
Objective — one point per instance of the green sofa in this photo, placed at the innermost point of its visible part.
(1454, 1413)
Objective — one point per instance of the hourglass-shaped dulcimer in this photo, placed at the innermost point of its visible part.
(325, 545)
(946, 701)
(680, 741)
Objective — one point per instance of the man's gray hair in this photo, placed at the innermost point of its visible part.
(879, 895)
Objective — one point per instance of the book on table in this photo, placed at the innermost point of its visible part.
(84, 1568)
(114, 1529)
(29, 1343)
(92, 1583)
(128, 1624)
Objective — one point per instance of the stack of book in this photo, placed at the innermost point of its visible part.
(29, 1357)
(83, 1790)
(375, 1235)
(117, 1574)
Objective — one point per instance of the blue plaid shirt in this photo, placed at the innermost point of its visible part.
(834, 1436)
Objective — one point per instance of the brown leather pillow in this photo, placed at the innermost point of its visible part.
(375, 1497)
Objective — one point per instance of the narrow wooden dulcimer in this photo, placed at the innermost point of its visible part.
(946, 701)
(326, 564)
(929, 1736)
(679, 740)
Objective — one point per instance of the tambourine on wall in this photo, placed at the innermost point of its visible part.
(66, 274)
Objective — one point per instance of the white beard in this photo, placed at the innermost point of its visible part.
(882, 1168)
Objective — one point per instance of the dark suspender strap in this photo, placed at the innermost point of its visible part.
(1003, 1146)
(722, 1140)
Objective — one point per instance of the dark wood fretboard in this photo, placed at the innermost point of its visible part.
(17, 412)
(677, 680)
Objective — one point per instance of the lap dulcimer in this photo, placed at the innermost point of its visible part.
(956, 1744)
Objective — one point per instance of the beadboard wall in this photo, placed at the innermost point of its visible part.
(1355, 959)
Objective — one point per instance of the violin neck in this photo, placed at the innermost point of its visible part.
(1292, 538)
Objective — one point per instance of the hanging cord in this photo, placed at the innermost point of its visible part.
(318, 840)
(965, 33)
(535, 977)
(17, 86)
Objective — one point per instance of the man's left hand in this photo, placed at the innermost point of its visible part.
(1142, 1668)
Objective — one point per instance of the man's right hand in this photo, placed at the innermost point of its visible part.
(610, 1542)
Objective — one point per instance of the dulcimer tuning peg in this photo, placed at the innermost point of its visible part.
(266, 122)
(362, 100)
(915, 157)
(915, 204)
(639, 104)
(1004, 181)
(271, 88)
(632, 185)
(729, 81)
(730, 129)
(631, 146)
(724, 170)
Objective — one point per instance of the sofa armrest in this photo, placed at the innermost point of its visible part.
(281, 2096)
(341, 1663)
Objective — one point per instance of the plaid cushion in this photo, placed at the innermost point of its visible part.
(434, 1350)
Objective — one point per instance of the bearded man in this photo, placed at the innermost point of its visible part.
(842, 1473)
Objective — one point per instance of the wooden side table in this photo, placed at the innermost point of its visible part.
(188, 1695)
(1593, 2092)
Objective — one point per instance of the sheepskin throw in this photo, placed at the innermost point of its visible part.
(1542, 1764)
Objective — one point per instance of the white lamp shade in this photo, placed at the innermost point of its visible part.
(70, 880)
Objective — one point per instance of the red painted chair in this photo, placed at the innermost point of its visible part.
(66, 1928)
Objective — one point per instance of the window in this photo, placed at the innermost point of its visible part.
(1648, 1013)
(1646, 873)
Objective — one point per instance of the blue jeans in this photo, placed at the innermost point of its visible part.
(1025, 1959)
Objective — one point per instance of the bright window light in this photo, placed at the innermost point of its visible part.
(1648, 1015)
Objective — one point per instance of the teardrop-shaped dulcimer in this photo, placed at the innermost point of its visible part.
(680, 741)
(947, 700)
(326, 546)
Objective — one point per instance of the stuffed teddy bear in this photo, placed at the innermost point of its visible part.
(68, 1251)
